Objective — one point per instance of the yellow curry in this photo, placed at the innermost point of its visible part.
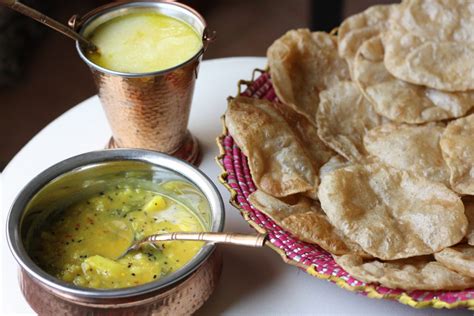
(81, 243)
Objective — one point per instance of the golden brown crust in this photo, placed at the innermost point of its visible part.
(459, 258)
(301, 65)
(401, 101)
(413, 148)
(458, 151)
(278, 162)
(305, 220)
(431, 43)
(359, 27)
(392, 214)
(418, 273)
(344, 116)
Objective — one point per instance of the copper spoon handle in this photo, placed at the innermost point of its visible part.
(221, 238)
(40, 17)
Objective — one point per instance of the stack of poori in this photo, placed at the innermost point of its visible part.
(370, 151)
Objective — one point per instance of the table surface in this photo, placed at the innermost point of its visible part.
(254, 281)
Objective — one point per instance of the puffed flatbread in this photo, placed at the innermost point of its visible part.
(307, 133)
(344, 116)
(401, 101)
(301, 65)
(392, 214)
(458, 258)
(431, 43)
(419, 273)
(278, 162)
(457, 144)
(336, 162)
(413, 148)
(359, 27)
(306, 221)
(444, 20)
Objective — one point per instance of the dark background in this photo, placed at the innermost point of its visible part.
(41, 76)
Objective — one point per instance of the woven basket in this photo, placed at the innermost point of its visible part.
(317, 262)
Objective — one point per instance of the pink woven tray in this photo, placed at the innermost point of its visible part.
(237, 179)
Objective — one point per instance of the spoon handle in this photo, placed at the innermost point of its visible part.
(40, 17)
(221, 238)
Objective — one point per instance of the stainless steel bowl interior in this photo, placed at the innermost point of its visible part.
(86, 174)
(176, 10)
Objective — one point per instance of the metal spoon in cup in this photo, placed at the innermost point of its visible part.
(57, 26)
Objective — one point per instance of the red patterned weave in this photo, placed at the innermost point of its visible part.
(306, 255)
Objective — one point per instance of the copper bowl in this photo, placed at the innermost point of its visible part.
(182, 292)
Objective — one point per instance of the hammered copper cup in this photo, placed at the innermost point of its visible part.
(148, 110)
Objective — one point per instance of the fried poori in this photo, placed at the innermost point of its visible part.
(457, 145)
(418, 273)
(401, 101)
(306, 221)
(301, 65)
(392, 214)
(344, 116)
(413, 148)
(458, 258)
(359, 27)
(278, 162)
(431, 43)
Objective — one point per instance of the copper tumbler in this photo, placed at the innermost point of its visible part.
(148, 110)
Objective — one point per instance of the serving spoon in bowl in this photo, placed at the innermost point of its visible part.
(50, 22)
(210, 237)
